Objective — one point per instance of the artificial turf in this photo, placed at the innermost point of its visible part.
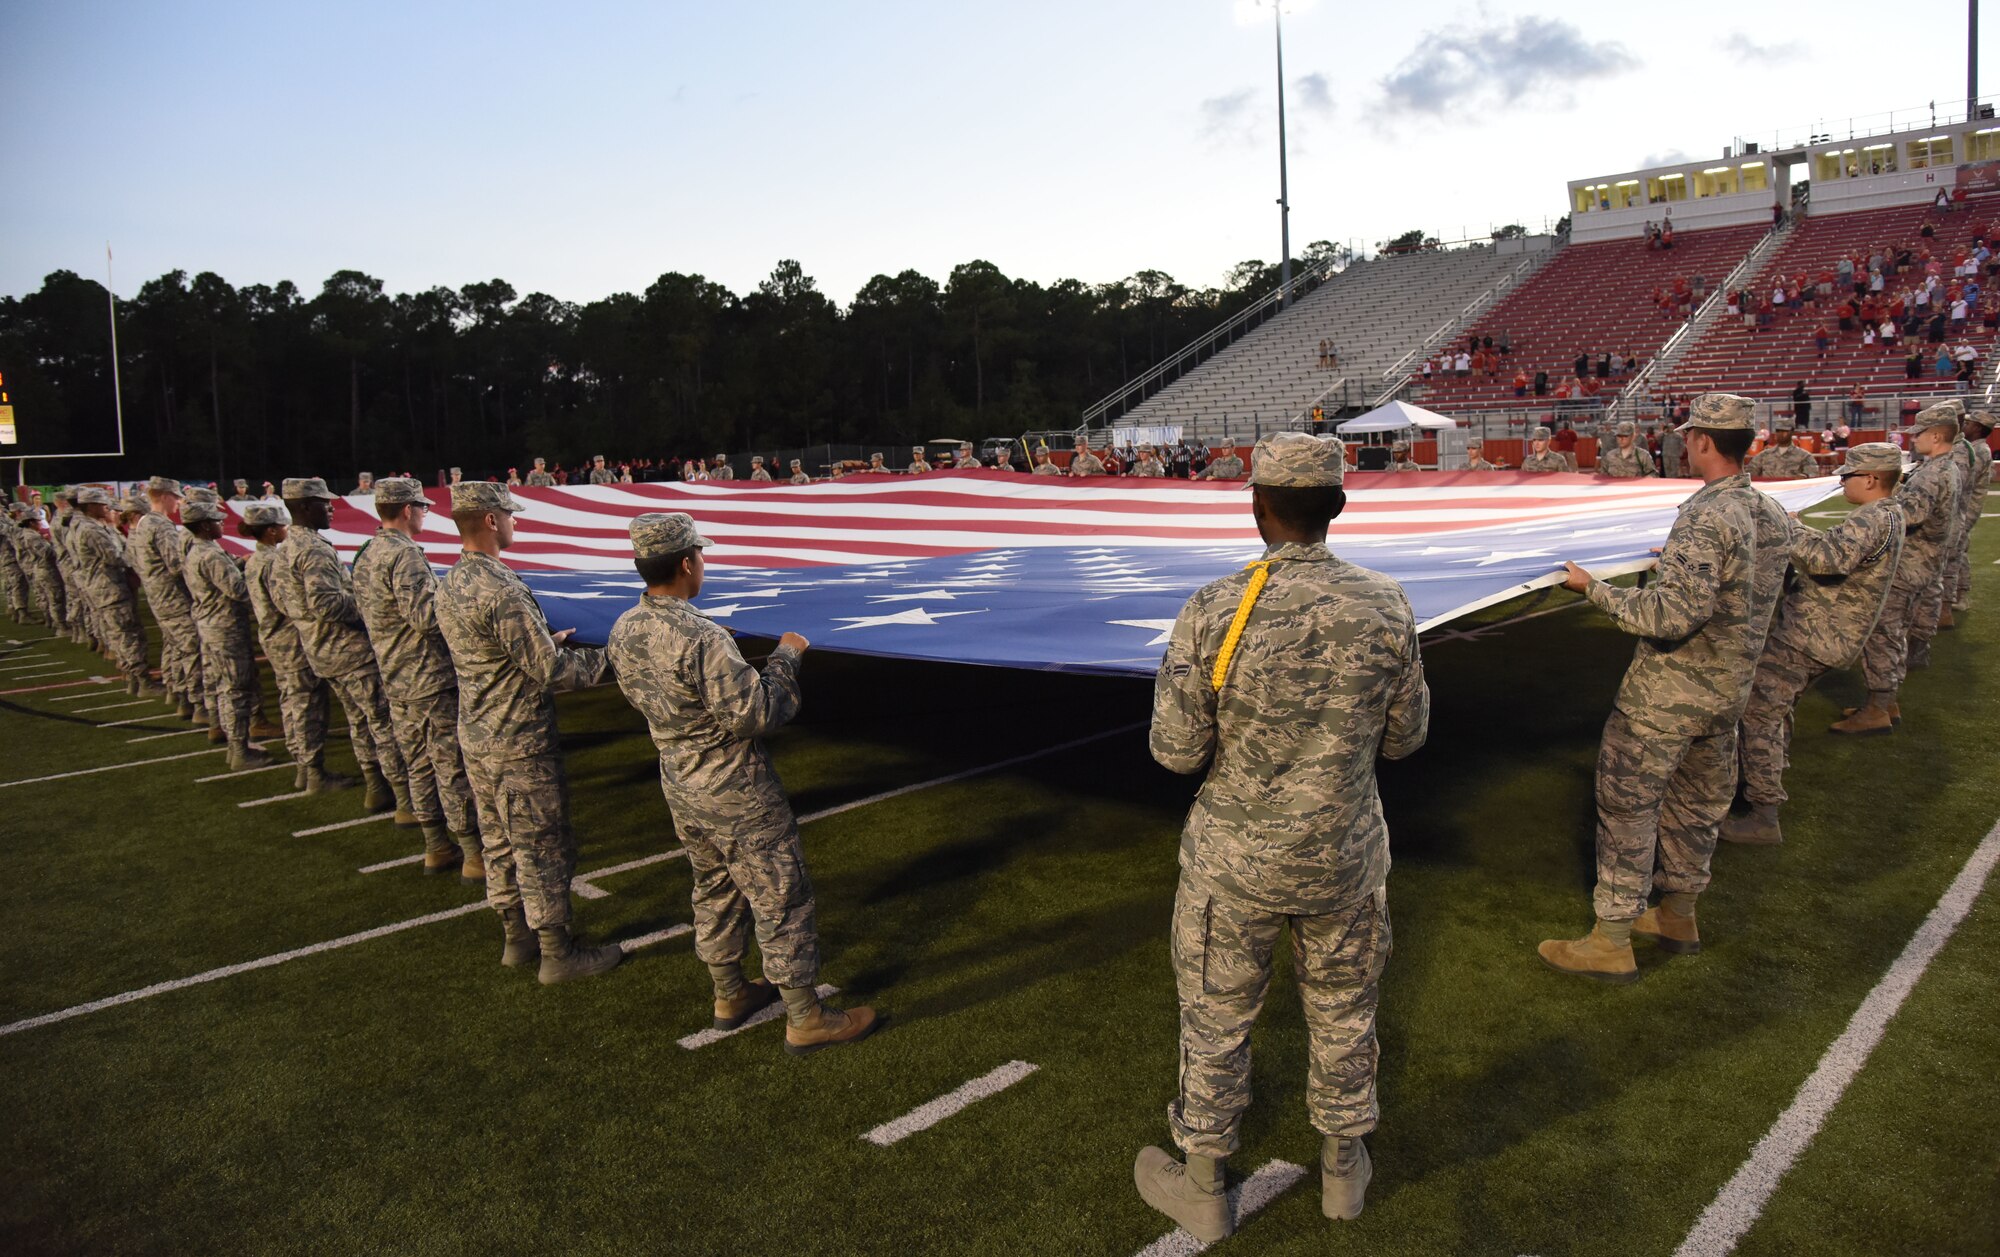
(407, 1094)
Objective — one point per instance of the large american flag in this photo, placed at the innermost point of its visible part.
(1040, 572)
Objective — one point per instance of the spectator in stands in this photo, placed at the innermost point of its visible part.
(1801, 405)
(1520, 383)
(1604, 366)
(1462, 364)
(1867, 336)
(1541, 384)
(1959, 313)
(1582, 365)
(1913, 365)
(1839, 439)
(1564, 440)
(1822, 339)
(1425, 371)
(1506, 343)
(1945, 365)
(1857, 404)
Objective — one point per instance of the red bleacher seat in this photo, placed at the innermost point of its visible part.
(1595, 299)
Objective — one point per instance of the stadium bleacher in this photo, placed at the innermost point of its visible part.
(1373, 312)
(1768, 362)
(1594, 299)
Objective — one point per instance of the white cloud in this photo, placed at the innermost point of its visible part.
(1501, 64)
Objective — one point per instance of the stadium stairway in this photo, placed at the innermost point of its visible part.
(1372, 313)
(1736, 356)
(1595, 299)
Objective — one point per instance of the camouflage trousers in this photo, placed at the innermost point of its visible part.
(427, 735)
(305, 702)
(368, 726)
(76, 608)
(229, 674)
(50, 595)
(20, 599)
(1222, 950)
(1660, 803)
(117, 626)
(524, 834)
(1764, 736)
(746, 876)
(1958, 575)
(180, 650)
(1885, 656)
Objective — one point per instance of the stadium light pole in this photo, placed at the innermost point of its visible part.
(1284, 192)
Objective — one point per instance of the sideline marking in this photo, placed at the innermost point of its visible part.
(631, 945)
(769, 1012)
(1741, 1201)
(37, 676)
(229, 971)
(925, 1116)
(276, 798)
(108, 768)
(244, 772)
(136, 702)
(1271, 1181)
(327, 829)
(399, 861)
(584, 885)
(137, 720)
(154, 737)
(77, 698)
(54, 685)
(25, 667)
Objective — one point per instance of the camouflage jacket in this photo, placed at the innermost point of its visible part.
(10, 559)
(1326, 676)
(279, 635)
(541, 480)
(397, 593)
(1975, 477)
(724, 472)
(1086, 464)
(509, 667)
(1843, 578)
(1782, 462)
(154, 550)
(1549, 460)
(803, 478)
(761, 474)
(603, 475)
(1149, 467)
(1929, 498)
(37, 554)
(1047, 469)
(1480, 464)
(707, 708)
(1405, 464)
(312, 588)
(1703, 621)
(101, 563)
(1624, 464)
(1228, 467)
(221, 600)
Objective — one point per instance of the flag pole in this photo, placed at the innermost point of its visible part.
(117, 393)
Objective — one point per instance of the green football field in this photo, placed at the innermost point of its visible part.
(994, 853)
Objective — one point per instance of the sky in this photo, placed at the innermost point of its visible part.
(587, 148)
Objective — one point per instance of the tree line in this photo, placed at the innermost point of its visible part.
(266, 380)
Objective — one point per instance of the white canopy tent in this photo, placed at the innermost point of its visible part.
(1394, 417)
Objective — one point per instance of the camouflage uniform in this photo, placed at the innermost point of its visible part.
(1928, 497)
(303, 698)
(1673, 453)
(14, 577)
(1085, 463)
(800, 477)
(396, 591)
(38, 559)
(1666, 768)
(1943, 589)
(220, 601)
(509, 672)
(1047, 469)
(602, 475)
(1403, 462)
(541, 479)
(1843, 579)
(313, 590)
(106, 580)
(1287, 830)
(918, 463)
(63, 535)
(1547, 460)
(1782, 462)
(154, 550)
(1228, 467)
(1971, 505)
(1149, 466)
(722, 470)
(1620, 463)
(757, 472)
(707, 709)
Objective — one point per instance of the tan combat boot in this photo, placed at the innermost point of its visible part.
(182, 707)
(440, 853)
(565, 959)
(472, 864)
(377, 797)
(521, 947)
(216, 734)
(1669, 929)
(1166, 1185)
(737, 1009)
(1593, 956)
(1757, 828)
(1344, 1171)
(261, 726)
(242, 755)
(1866, 720)
(1919, 655)
(1946, 619)
(826, 1027)
(321, 780)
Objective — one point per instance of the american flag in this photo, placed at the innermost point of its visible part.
(1047, 573)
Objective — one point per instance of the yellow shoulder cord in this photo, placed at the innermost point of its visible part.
(1260, 572)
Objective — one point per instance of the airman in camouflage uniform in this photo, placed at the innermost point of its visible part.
(1843, 578)
(599, 473)
(110, 584)
(1399, 457)
(540, 478)
(63, 532)
(303, 698)
(1085, 463)
(875, 467)
(1627, 459)
(967, 460)
(1287, 831)
(1227, 467)
(1148, 464)
(707, 710)
(799, 475)
(1932, 610)
(1666, 768)
(1977, 426)
(13, 576)
(1044, 466)
(722, 470)
(1475, 456)
(757, 471)
(1781, 460)
(242, 493)
(918, 463)
(311, 586)
(1928, 496)
(1540, 456)
(221, 605)
(38, 559)
(154, 550)
(510, 668)
(396, 591)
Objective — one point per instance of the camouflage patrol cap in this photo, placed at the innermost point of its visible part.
(541, 462)
(1628, 428)
(298, 488)
(1721, 412)
(1944, 414)
(1474, 441)
(795, 462)
(66, 494)
(367, 477)
(91, 495)
(400, 491)
(1399, 447)
(722, 458)
(1871, 456)
(473, 496)
(1784, 423)
(1297, 460)
(202, 512)
(597, 458)
(1983, 418)
(164, 484)
(201, 493)
(916, 449)
(756, 460)
(242, 484)
(1539, 433)
(659, 533)
(456, 472)
(134, 503)
(264, 514)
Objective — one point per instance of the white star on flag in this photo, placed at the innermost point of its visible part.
(728, 609)
(1163, 627)
(915, 615)
(1506, 556)
(945, 594)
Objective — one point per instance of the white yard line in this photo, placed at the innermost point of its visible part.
(230, 971)
(925, 1116)
(276, 798)
(53, 685)
(1272, 1180)
(770, 1012)
(586, 885)
(154, 737)
(135, 702)
(823, 813)
(112, 768)
(245, 772)
(400, 861)
(42, 676)
(40, 661)
(631, 945)
(120, 724)
(78, 698)
(327, 829)
(1741, 1201)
